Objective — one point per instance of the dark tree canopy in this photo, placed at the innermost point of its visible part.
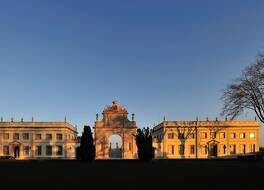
(246, 92)
(87, 148)
(144, 144)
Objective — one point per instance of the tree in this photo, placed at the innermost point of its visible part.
(87, 148)
(183, 134)
(144, 144)
(246, 92)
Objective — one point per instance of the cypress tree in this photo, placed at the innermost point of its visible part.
(87, 148)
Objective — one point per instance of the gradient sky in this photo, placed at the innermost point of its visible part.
(72, 58)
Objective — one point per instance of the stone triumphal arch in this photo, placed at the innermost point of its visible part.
(115, 122)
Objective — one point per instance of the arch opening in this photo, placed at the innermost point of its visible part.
(115, 147)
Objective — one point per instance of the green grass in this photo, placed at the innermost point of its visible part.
(186, 174)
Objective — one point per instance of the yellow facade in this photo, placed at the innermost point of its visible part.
(205, 139)
(38, 140)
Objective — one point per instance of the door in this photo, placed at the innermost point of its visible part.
(215, 150)
(16, 152)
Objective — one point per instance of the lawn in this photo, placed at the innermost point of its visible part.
(181, 174)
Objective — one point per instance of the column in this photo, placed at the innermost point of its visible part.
(32, 149)
(227, 142)
(1, 144)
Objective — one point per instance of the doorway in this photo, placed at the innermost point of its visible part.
(16, 151)
(213, 150)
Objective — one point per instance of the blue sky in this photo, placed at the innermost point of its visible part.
(172, 58)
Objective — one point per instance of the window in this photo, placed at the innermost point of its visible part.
(181, 149)
(192, 136)
(204, 135)
(252, 148)
(170, 136)
(48, 150)
(171, 149)
(6, 150)
(223, 149)
(242, 135)
(48, 136)
(181, 136)
(233, 149)
(16, 136)
(252, 135)
(26, 150)
(59, 136)
(25, 136)
(213, 135)
(205, 149)
(39, 150)
(59, 151)
(222, 135)
(130, 146)
(6, 136)
(233, 135)
(192, 149)
(243, 148)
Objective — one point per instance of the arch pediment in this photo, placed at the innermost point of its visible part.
(213, 142)
(15, 143)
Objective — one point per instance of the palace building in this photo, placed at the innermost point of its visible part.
(38, 140)
(205, 139)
